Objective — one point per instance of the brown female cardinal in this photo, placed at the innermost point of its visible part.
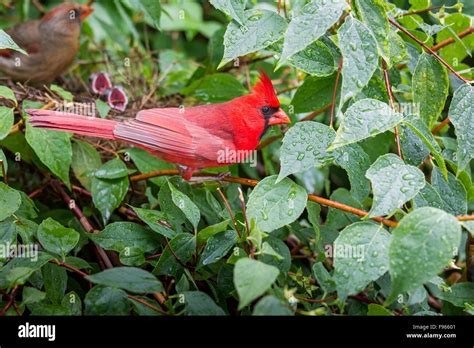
(196, 137)
(51, 43)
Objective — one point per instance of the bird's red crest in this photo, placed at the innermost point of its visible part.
(264, 89)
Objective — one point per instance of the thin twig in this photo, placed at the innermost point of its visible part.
(450, 40)
(10, 302)
(441, 125)
(334, 93)
(251, 182)
(392, 104)
(422, 44)
(418, 11)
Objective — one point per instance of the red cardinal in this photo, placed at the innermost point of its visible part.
(51, 43)
(196, 137)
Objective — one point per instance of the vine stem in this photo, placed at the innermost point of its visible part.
(392, 104)
(441, 125)
(431, 51)
(418, 11)
(11, 302)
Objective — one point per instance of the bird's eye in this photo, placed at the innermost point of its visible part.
(265, 109)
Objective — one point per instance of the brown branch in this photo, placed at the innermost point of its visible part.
(418, 11)
(334, 93)
(422, 44)
(82, 219)
(250, 182)
(10, 302)
(311, 300)
(441, 125)
(392, 104)
(149, 305)
(450, 40)
(465, 217)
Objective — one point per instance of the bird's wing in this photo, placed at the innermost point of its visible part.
(181, 132)
(27, 36)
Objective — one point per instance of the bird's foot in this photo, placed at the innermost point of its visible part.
(186, 172)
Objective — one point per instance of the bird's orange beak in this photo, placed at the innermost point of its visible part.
(279, 117)
(85, 12)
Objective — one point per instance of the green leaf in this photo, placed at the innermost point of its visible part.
(430, 88)
(312, 21)
(422, 131)
(459, 294)
(413, 148)
(314, 94)
(32, 295)
(260, 29)
(360, 256)
(108, 193)
(304, 147)
(152, 218)
(393, 183)
(182, 246)
(152, 11)
(363, 119)
(53, 149)
(428, 197)
(6, 121)
(85, 160)
(114, 169)
(6, 42)
(10, 201)
(187, 206)
(102, 108)
(146, 163)
(461, 114)
(356, 162)
(7, 93)
(73, 302)
(217, 247)
(56, 238)
(273, 205)
(322, 276)
(4, 162)
(209, 231)
(270, 305)
(372, 13)
(422, 244)
(378, 310)
(215, 88)
(62, 93)
(133, 256)
(252, 278)
(119, 235)
(232, 8)
(55, 282)
(451, 191)
(316, 60)
(128, 278)
(101, 300)
(199, 303)
(360, 58)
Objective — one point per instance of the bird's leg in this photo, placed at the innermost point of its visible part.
(185, 172)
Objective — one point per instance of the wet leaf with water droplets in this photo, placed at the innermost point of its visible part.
(316, 60)
(304, 147)
(314, 19)
(360, 256)
(421, 246)
(461, 114)
(393, 183)
(187, 206)
(261, 28)
(451, 191)
(233, 8)
(314, 94)
(217, 246)
(430, 88)
(355, 161)
(360, 57)
(273, 205)
(364, 119)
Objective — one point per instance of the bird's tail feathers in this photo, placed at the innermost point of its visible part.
(66, 122)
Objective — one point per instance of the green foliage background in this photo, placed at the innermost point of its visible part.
(299, 242)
